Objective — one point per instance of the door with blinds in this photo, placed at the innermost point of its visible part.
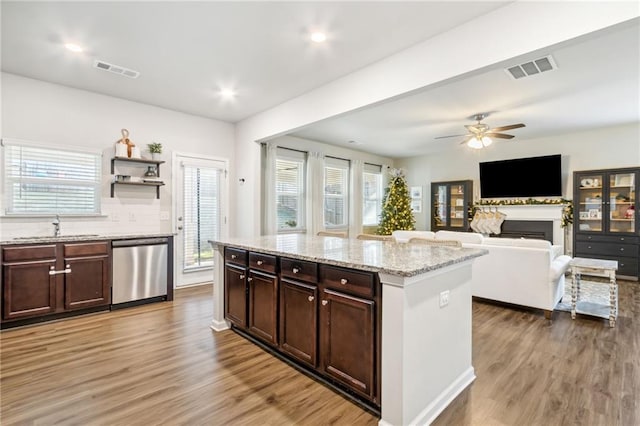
(200, 199)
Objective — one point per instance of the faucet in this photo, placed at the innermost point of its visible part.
(56, 226)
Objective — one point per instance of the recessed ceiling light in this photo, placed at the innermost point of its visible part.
(73, 47)
(227, 93)
(318, 37)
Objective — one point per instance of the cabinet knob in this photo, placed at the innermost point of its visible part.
(259, 262)
(242, 276)
(295, 270)
(622, 265)
(324, 303)
(621, 238)
(52, 268)
(588, 247)
(311, 298)
(589, 237)
(343, 281)
(68, 266)
(249, 279)
(621, 248)
(233, 256)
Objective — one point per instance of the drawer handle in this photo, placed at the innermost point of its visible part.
(64, 271)
(249, 279)
(622, 249)
(242, 276)
(259, 262)
(311, 298)
(233, 256)
(589, 247)
(295, 270)
(343, 281)
(324, 303)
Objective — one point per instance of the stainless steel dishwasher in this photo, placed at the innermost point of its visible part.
(139, 270)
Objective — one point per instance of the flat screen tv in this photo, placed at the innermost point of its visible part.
(521, 177)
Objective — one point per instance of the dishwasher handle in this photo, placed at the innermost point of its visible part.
(139, 242)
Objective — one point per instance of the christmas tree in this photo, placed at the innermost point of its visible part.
(396, 206)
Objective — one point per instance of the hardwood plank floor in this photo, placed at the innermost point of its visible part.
(161, 364)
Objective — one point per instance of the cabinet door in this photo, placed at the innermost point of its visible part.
(622, 202)
(29, 290)
(347, 342)
(457, 207)
(263, 306)
(298, 320)
(87, 284)
(235, 295)
(589, 213)
(440, 197)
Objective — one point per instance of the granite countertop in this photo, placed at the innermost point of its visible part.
(393, 258)
(81, 237)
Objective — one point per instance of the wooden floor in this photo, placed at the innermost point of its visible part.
(161, 364)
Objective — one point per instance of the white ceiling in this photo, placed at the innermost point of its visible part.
(597, 84)
(186, 51)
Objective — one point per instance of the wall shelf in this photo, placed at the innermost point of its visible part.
(141, 161)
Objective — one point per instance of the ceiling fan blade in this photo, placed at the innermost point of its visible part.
(450, 136)
(500, 135)
(467, 139)
(509, 127)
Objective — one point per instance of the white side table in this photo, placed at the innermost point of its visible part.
(597, 267)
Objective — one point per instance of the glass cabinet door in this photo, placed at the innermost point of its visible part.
(622, 198)
(457, 208)
(440, 201)
(589, 205)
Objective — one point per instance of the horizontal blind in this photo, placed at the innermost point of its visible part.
(289, 193)
(42, 180)
(372, 197)
(336, 186)
(201, 215)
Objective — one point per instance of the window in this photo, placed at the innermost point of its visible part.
(41, 180)
(336, 193)
(290, 166)
(201, 214)
(372, 194)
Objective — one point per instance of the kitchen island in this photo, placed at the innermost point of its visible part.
(406, 308)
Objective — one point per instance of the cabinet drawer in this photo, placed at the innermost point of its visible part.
(15, 254)
(611, 249)
(237, 256)
(262, 262)
(347, 280)
(299, 270)
(86, 249)
(624, 239)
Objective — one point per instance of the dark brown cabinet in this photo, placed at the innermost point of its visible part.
(606, 216)
(263, 306)
(235, 287)
(39, 280)
(451, 205)
(299, 320)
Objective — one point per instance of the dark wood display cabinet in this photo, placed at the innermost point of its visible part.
(41, 281)
(606, 215)
(325, 319)
(451, 204)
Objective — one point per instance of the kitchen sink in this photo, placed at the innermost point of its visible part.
(49, 237)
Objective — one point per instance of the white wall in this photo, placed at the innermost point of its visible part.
(49, 113)
(515, 29)
(600, 148)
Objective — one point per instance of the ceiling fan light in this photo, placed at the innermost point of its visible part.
(486, 141)
(475, 143)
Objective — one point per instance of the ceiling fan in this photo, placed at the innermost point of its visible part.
(480, 134)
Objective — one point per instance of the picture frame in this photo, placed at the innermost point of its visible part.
(416, 205)
(416, 192)
(594, 214)
(584, 215)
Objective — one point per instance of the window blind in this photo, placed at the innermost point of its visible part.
(201, 215)
(289, 192)
(336, 192)
(41, 180)
(372, 197)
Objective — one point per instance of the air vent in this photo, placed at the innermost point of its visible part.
(116, 69)
(532, 67)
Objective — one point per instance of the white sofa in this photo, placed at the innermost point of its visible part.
(524, 272)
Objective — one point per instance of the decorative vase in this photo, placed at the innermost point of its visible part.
(155, 156)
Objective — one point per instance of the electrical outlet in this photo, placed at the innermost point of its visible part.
(132, 217)
(164, 215)
(444, 298)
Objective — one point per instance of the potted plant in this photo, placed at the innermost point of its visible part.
(155, 149)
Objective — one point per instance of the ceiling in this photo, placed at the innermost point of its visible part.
(596, 84)
(187, 51)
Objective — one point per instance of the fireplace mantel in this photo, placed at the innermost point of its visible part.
(551, 212)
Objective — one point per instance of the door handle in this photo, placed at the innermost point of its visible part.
(64, 271)
(179, 228)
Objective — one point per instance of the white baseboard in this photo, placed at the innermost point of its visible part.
(219, 325)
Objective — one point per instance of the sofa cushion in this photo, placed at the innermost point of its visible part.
(404, 236)
(518, 242)
(463, 237)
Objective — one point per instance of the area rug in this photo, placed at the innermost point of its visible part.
(593, 299)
